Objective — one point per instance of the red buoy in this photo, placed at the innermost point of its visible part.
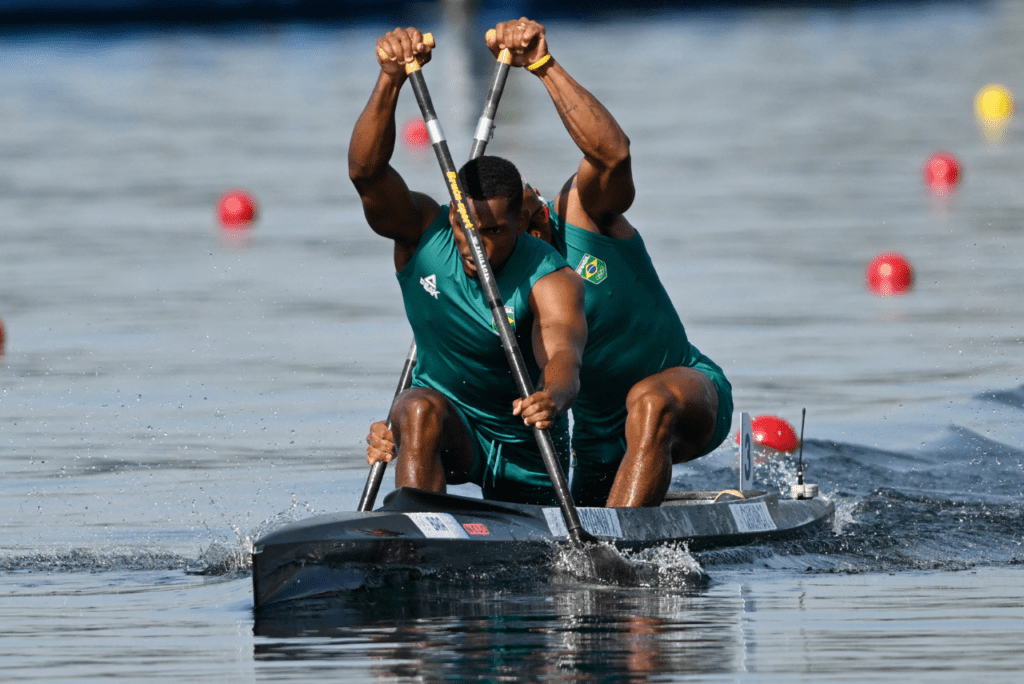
(941, 173)
(1, 337)
(236, 209)
(889, 274)
(415, 134)
(774, 433)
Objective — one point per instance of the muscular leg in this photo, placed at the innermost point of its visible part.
(434, 447)
(671, 419)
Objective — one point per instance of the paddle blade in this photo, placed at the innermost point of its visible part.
(596, 562)
(608, 566)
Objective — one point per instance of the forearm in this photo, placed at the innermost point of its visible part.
(561, 379)
(591, 126)
(373, 138)
(559, 334)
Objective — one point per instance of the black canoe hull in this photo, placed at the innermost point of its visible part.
(416, 531)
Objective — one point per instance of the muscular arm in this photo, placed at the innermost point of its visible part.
(559, 336)
(391, 209)
(603, 186)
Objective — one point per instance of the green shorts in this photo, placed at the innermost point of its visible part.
(596, 461)
(514, 471)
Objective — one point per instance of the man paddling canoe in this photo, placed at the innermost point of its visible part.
(462, 420)
(648, 398)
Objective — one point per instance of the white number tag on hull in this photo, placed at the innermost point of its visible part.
(746, 453)
(438, 525)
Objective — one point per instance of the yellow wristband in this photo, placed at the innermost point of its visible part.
(539, 63)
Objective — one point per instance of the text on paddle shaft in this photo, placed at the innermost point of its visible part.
(460, 206)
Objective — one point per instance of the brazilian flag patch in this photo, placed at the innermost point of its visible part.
(593, 269)
(511, 313)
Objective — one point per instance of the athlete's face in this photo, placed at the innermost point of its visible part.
(498, 228)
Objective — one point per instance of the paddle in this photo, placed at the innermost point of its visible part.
(484, 129)
(605, 563)
(376, 475)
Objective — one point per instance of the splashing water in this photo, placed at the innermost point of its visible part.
(670, 565)
(234, 557)
(224, 556)
(92, 560)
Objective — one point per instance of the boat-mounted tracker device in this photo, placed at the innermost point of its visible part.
(799, 490)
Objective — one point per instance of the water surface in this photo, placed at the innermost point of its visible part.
(169, 391)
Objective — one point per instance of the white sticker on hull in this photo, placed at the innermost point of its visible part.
(438, 525)
(600, 522)
(746, 453)
(752, 517)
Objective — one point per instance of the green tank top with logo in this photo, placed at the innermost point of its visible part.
(459, 352)
(622, 348)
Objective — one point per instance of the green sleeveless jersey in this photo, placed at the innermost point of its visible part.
(458, 349)
(634, 330)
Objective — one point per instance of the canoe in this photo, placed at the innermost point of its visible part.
(417, 532)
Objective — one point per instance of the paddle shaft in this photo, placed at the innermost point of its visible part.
(485, 126)
(377, 470)
(484, 130)
(490, 287)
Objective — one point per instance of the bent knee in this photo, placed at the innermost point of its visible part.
(650, 397)
(678, 390)
(419, 405)
(681, 400)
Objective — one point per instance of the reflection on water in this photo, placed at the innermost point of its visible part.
(748, 625)
(527, 633)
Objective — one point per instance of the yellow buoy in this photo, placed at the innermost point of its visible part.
(993, 104)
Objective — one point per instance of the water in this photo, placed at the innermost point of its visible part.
(169, 392)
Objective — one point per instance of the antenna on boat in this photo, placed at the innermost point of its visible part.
(800, 458)
(801, 490)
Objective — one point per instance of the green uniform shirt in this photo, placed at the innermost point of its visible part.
(622, 348)
(459, 352)
(634, 332)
